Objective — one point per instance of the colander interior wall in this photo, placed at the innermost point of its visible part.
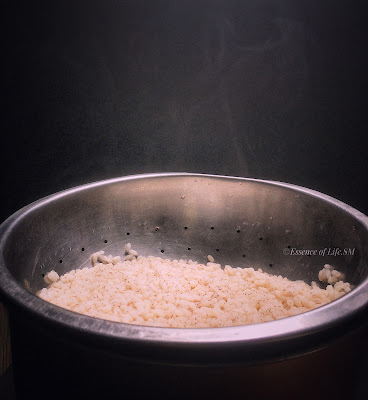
(240, 222)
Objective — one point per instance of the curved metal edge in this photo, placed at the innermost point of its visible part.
(249, 337)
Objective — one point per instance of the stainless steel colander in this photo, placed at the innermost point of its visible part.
(281, 228)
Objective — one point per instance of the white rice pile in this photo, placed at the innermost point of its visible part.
(159, 292)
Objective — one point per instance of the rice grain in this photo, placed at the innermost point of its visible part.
(186, 294)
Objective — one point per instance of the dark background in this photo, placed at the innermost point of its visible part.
(263, 89)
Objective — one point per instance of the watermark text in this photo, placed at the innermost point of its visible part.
(327, 251)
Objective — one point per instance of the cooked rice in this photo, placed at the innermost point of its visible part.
(186, 294)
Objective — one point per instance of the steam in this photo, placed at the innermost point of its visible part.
(200, 94)
(242, 87)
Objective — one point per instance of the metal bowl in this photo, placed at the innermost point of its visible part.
(241, 222)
